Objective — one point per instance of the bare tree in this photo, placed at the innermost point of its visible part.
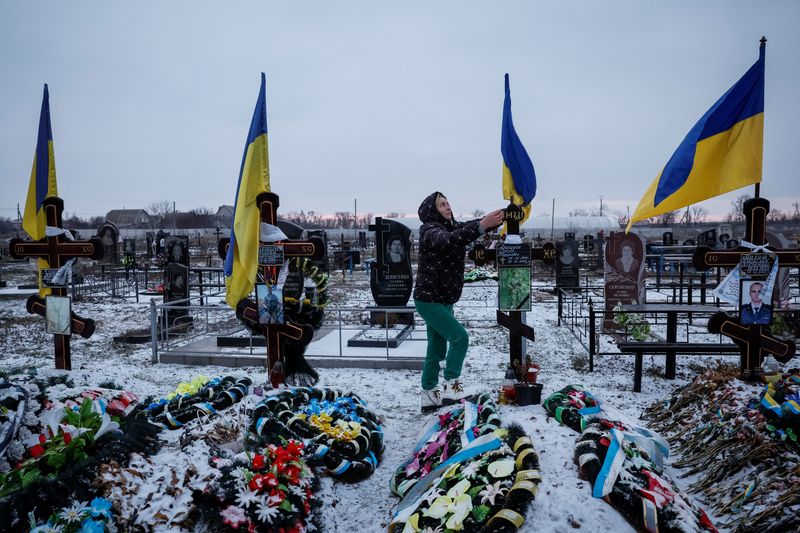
(697, 214)
(159, 211)
(478, 213)
(776, 215)
(664, 219)
(737, 208)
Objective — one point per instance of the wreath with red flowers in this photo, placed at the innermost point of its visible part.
(341, 432)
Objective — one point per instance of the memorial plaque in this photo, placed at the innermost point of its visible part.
(58, 315)
(567, 265)
(270, 255)
(47, 278)
(178, 249)
(756, 265)
(391, 280)
(624, 272)
(512, 255)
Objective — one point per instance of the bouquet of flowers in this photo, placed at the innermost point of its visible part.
(94, 517)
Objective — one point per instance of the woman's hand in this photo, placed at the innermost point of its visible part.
(492, 220)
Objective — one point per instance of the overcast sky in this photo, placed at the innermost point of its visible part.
(383, 102)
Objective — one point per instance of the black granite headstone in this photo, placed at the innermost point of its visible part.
(569, 236)
(161, 242)
(109, 234)
(667, 239)
(177, 249)
(588, 243)
(567, 264)
(150, 246)
(391, 280)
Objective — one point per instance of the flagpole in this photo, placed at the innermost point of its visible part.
(762, 49)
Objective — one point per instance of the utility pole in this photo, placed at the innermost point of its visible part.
(355, 212)
(174, 219)
(601, 205)
(19, 221)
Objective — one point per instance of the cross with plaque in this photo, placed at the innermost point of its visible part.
(754, 342)
(271, 257)
(57, 250)
(513, 260)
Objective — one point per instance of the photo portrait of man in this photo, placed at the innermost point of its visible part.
(753, 309)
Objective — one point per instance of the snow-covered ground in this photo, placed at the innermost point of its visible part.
(564, 502)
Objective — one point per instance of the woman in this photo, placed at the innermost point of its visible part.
(440, 277)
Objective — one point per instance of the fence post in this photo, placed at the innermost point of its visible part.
(560, 304)
(703, 289)
(136, 282)
(153, 331)
(592, 333)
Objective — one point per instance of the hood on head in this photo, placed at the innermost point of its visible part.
(427, 209)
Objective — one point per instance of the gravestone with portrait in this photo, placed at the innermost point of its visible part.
(624, 273)
(129, 250)
(109, 235)
(567, 264)
(176, 281)
(391, 282)
(667, 239)
(177, 249)
(149, 247)
(322, 263)
(161, 242)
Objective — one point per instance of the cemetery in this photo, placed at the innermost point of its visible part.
(254, 370)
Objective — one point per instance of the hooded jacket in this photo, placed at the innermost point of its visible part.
(442, 245)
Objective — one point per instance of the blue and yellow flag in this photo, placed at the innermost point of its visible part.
(241, 263)
(519, 178)
(722, 152)
(42, 183)
(43, 175)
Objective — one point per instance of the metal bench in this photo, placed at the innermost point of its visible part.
(640, 348)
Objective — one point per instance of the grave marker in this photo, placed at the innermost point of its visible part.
(391, 280)
(567, 264)
(58, 250)
(754, 342)
(623, 273)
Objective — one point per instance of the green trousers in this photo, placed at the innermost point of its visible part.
(443, 329)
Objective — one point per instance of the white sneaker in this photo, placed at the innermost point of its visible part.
(429, 400)
(452, 391)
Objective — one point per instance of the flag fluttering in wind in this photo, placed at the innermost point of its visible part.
(42, 183)
(241, 263)
(721, 153)
(43, 175)
(519, 178)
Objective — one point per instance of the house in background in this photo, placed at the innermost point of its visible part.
(129, 218)
(224, 216)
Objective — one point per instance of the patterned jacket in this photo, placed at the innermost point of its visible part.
(442, 245)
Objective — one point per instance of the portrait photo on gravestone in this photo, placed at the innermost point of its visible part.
(58, 315)
(270, 304)
(755, 306)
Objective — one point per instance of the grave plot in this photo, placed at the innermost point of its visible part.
(738, 443)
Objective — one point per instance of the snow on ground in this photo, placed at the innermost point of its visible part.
(564, 502)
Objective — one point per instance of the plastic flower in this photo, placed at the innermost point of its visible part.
(48, 528)
(471, 470)
(92, 526)
(106, 426)
(72, 514)
(502, 468)
(490, 492)
(412, 524)
(100, 507)
(266, 512)
(457, 504)
(246, 497)
(233, 516)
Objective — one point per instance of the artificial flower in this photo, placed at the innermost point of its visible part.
(233, 516)
(72, 514)
(266, 512)
(502, 468)
(246, 497)
(490, 492)
(92, 526)
(100, 507)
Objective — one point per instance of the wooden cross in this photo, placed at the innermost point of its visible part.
(513, 320)
(57, 251)
(379, 227)
(247, 310)
(752, 339)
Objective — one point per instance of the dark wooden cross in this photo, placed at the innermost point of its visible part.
(379, 227)
(247, 310)
(754, 342)
(480, 255)
(57, 251)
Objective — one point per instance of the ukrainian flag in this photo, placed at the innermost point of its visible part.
(519, 178)
(721, 153)
(42, 183)
(43, 175)
(241, 263)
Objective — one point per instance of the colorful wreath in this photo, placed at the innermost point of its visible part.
(624, 466)
(443, 437)
(573, 406)
(487, 486)
(340, 432)
(200, 397)
(268, 489)
(780, 403)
